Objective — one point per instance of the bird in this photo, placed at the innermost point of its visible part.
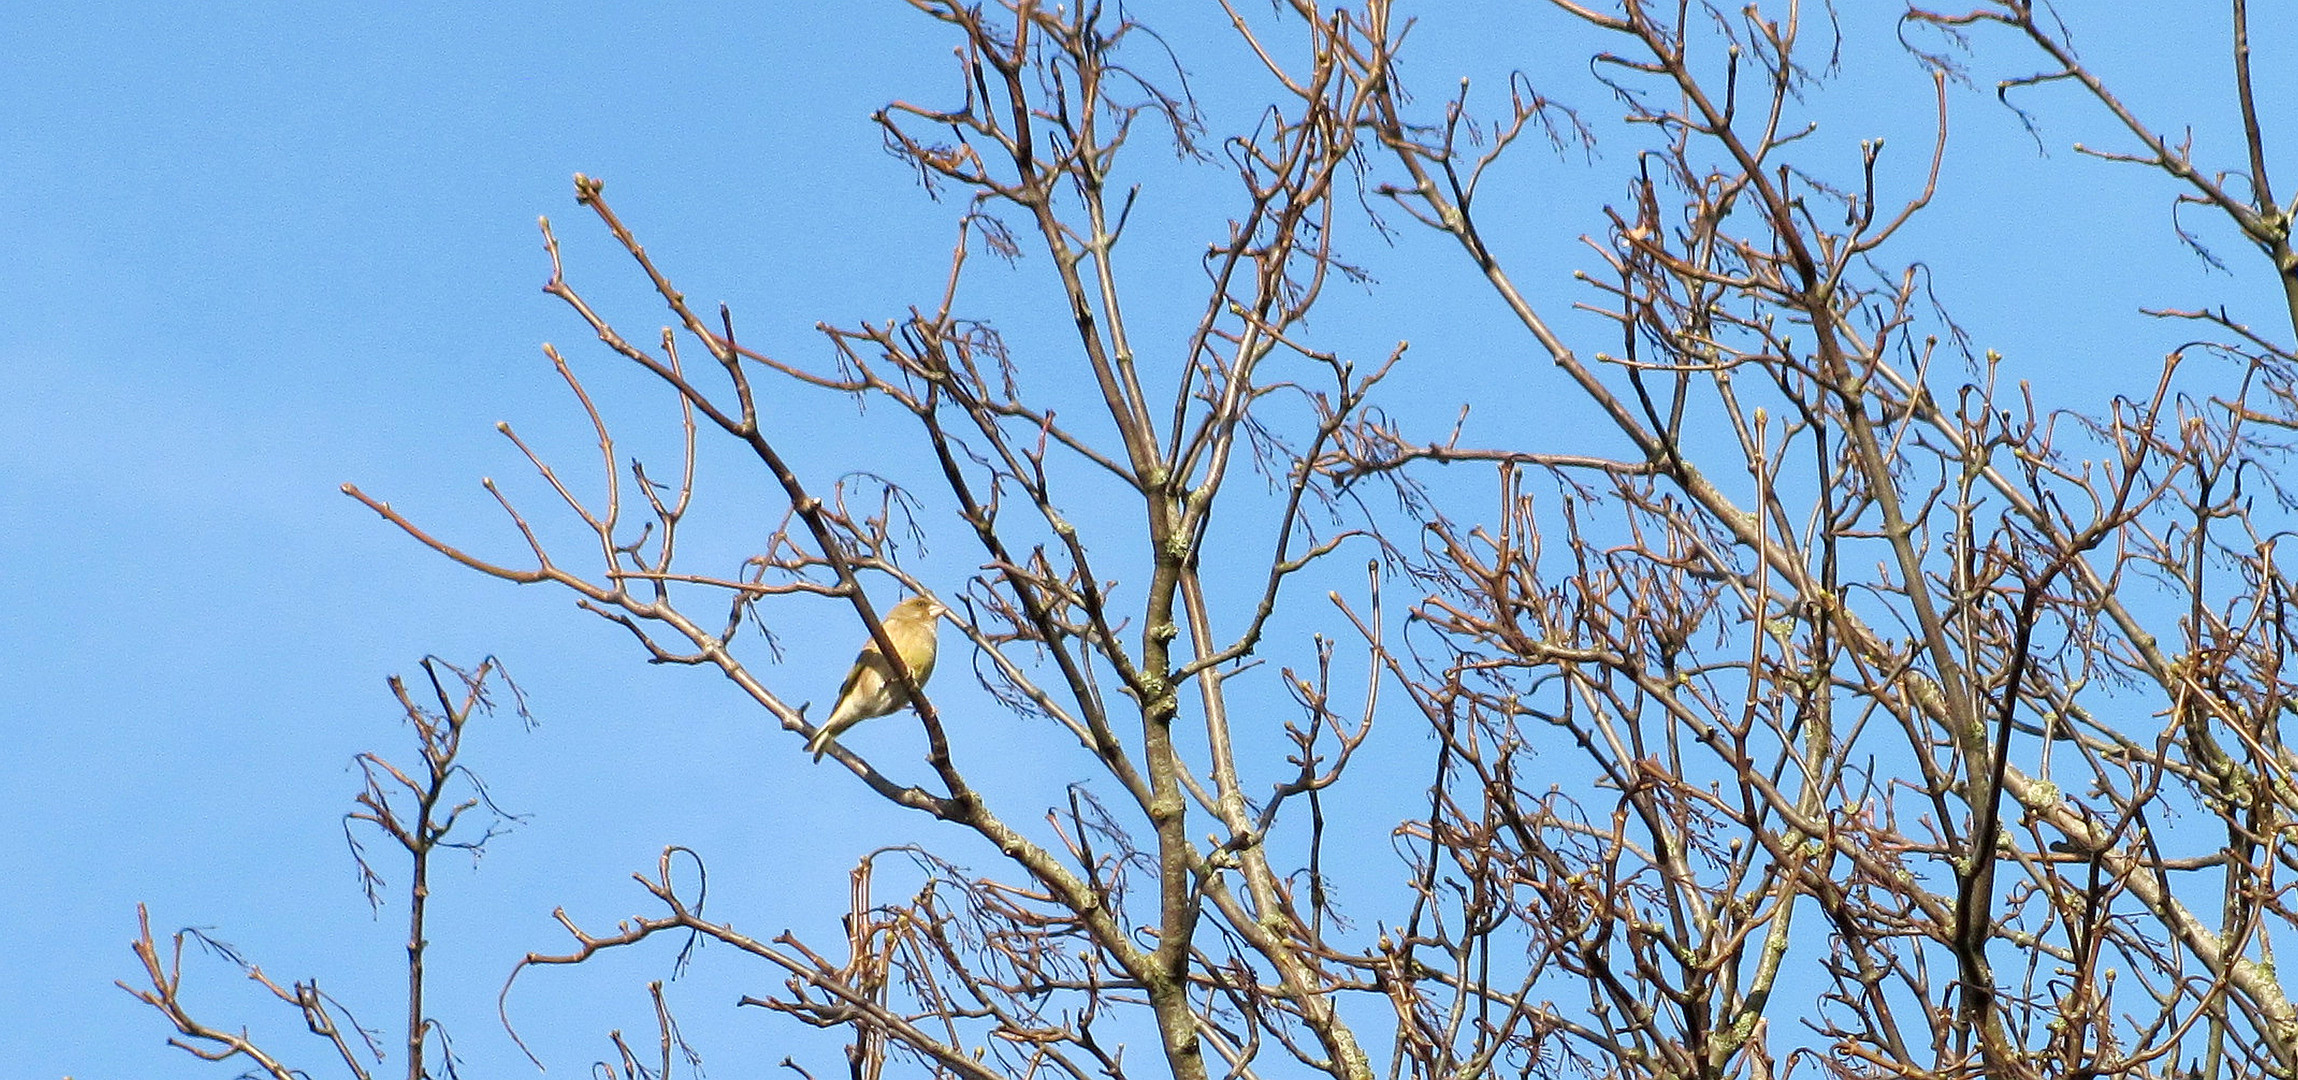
(869, 690)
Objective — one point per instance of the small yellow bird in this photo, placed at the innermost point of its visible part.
(869, 690)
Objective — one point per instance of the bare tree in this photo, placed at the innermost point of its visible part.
(1882, 690)
(1868, 709)
(418, 810)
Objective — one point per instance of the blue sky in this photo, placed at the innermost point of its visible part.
(255, 251)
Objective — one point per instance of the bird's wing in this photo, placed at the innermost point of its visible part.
(870, 660)
(866, 678)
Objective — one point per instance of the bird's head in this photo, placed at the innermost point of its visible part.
(919, 608)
